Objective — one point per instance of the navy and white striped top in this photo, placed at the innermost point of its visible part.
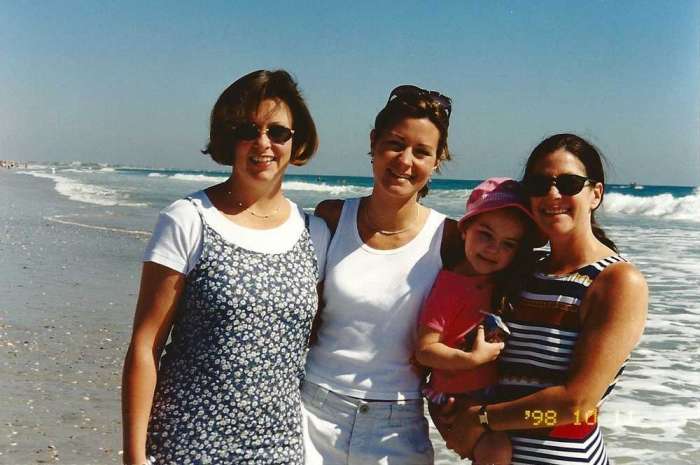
(545, 326)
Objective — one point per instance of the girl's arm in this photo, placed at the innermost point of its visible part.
(431, 352)
(160, 291)
(614, 310)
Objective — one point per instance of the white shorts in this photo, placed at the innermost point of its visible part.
(342, 430)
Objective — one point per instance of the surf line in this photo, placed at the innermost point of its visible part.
(57, 219)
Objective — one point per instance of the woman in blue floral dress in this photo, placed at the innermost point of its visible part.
(230, 275)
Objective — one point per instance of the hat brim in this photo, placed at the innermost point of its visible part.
(540, 238)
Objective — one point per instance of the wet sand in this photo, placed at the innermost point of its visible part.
(65, 315)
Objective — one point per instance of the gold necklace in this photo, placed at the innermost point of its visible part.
(385, 232)
(251, 212)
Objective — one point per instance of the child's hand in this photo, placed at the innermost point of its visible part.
(484, 352)
(495, 336)
(416, 367)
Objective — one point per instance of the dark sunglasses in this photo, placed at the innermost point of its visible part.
(275, 132)
(407, 90)
(567, 184)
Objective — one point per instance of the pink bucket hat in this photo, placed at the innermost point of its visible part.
(493, 194)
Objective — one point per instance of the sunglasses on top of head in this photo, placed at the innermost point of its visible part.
(567, 184)
(408, 90)
(275, 132)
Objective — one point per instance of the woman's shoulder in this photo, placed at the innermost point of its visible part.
(452, 245)
(330, 210)
(620, 288)
(185, 207)
(451, 229)
(317, 226)
(620, 274)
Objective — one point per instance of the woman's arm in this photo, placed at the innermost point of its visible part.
(431, 351)
(160, 291)
(614, 310)
(329, 211)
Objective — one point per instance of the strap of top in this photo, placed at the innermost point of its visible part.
(348, 214)
(593, 269)
(205, 233)
(200, 213)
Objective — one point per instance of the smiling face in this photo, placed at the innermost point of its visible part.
(260, 160)
(405, 156)
(492, 239)
(558, 214)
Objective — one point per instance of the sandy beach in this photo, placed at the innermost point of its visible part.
(65, 318)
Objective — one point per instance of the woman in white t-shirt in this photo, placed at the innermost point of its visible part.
(230, 274)
(362, 395)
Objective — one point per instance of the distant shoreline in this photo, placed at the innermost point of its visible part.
(10, 164)
(225, 171)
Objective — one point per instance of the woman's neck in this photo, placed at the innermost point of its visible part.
(391, 213)
(571, 252)
(386, 223)
(261, 197)
(250, 206)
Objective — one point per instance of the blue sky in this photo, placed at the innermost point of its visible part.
(131, 83)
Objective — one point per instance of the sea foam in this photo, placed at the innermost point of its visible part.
(86, 193)
(323, 187)
(197, 177)
(662, 206)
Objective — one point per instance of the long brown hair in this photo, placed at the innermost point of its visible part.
(592, 160)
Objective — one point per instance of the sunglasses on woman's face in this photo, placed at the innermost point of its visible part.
(413, 91)
(567, 184)
(275, 132)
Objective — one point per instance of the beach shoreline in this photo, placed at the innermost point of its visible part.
(65, 320)
(72, 241)
(65, 324)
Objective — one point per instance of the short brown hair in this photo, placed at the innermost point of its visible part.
(242, 98)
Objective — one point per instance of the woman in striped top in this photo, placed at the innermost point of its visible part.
(573, 326)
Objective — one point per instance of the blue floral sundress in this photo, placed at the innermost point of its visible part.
(228, 383)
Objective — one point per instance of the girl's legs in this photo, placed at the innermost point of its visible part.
(493, 449)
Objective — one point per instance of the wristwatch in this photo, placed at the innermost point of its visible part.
(484, 418)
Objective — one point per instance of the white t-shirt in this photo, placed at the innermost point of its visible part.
(177, 239)
(370, 318)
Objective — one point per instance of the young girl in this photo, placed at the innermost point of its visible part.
(496, 229)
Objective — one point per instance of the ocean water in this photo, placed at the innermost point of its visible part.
(654, 414)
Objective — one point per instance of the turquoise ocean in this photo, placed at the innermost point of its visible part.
(653, 415)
